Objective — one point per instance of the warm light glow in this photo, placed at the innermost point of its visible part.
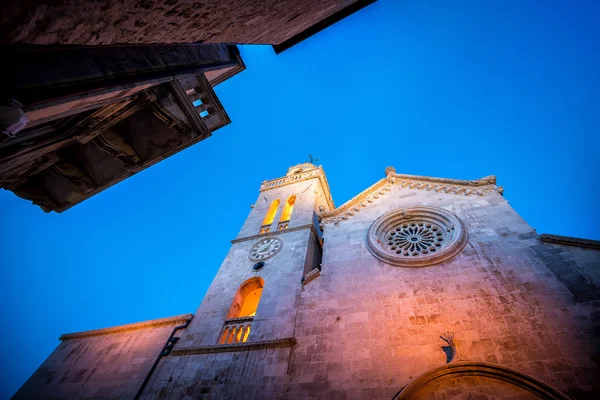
(245, 302)
(271, 213)
(250, 304)
(289, 207)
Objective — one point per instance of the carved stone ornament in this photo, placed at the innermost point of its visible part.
(416, 237)
(265, 248)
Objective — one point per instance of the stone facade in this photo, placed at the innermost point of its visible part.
(106, 363)
(512, 315)
(150, 21)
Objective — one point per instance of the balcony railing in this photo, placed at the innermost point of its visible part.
(289, 179)
(235, 330)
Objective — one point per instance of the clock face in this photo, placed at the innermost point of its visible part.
(265, 248)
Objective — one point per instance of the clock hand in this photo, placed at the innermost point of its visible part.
(264, 247)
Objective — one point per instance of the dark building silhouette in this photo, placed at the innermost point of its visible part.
(94, 92)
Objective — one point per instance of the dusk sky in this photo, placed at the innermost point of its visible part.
(460, 89)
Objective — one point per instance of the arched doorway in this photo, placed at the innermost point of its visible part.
(477, 381)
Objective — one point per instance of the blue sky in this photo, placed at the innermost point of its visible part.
(459, 89)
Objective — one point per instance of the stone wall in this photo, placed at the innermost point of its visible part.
(365, 328)
(576, 267)
(248, 375)
(109, 365)
(151, 21)
(253, 374)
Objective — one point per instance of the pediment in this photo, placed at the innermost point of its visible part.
(478, 187)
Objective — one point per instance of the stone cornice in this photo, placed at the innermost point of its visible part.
(275, 233)
(570, 241)
(455, 186)
(228, 348)
(318, 172)
(128, 327)
(361, 200)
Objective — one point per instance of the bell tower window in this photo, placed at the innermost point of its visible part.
(236, 327)
(266, 225)
(286, 215)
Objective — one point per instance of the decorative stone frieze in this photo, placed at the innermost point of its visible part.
(478, 187)
(416, 237)
(228, 348)
(128, 327)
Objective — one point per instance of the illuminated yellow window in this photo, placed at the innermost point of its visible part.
(236, 327)
(271, 213)
(286, 215)
(246, 299)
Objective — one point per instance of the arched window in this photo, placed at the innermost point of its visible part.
(241, 312)
(246, 299)
(286, 215)
(266, 225)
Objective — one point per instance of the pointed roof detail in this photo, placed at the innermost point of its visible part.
(477, 187)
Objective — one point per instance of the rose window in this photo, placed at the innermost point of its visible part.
(416, 237)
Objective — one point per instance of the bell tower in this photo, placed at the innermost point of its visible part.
(254, 296)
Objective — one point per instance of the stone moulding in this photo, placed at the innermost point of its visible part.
(275, 233)
(228, 348)
(317, 172)
(454, 233)
(570, 241)
(128, 327)
(469, 369)
(477, 187)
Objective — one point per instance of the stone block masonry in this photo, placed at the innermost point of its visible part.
(508, 316)
(102, 364)
(109, 22)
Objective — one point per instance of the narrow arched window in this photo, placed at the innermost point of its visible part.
(246, 299)
(266, 225)
(241, 312)
(286, 215)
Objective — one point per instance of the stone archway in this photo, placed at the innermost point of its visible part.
(477, 381)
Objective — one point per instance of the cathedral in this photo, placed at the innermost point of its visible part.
(416, 288)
